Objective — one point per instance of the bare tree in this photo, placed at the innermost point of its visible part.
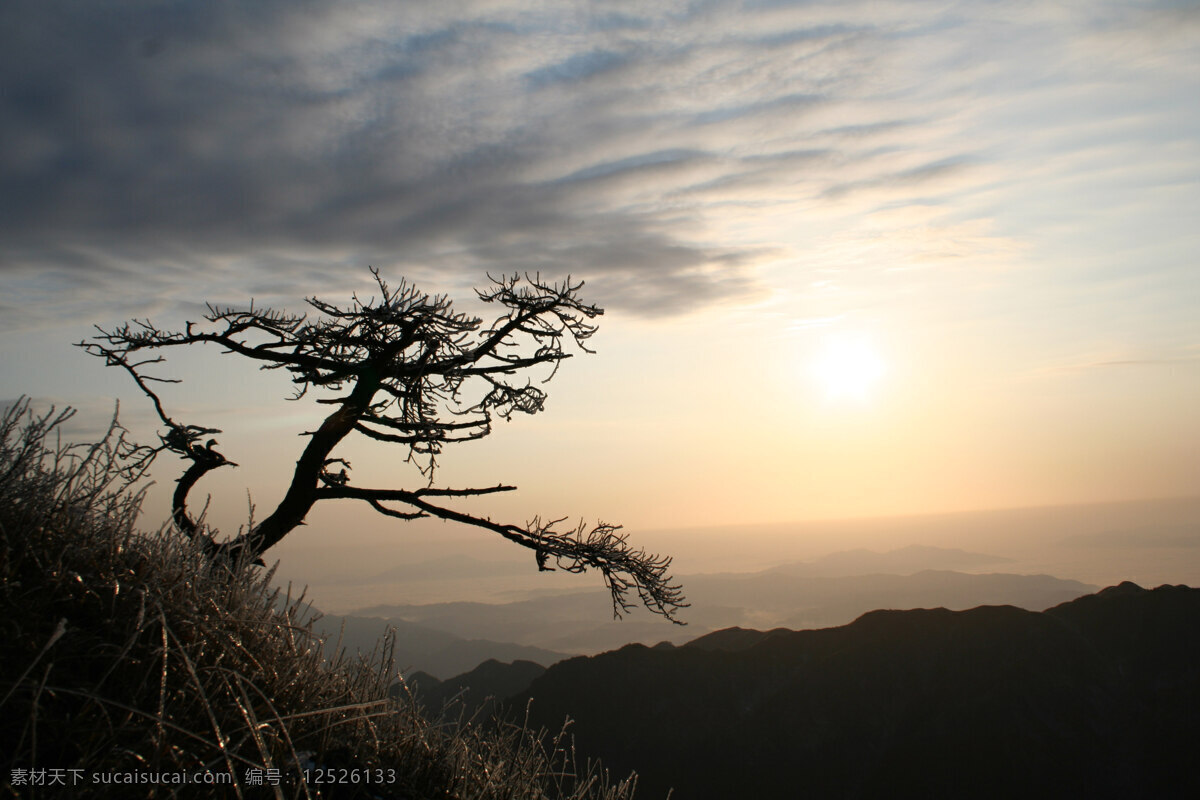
(398, 367)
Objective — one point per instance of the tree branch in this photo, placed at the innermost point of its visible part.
(406, 369)
(602, 548)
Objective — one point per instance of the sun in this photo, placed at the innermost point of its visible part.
(847, 367)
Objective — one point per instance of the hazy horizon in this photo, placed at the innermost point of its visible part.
(1149, 542)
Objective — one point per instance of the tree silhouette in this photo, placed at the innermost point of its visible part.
(399, 368)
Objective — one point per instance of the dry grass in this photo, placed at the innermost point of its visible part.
(126, 652)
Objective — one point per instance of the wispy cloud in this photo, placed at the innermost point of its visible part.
(282, 144)
(1184, 359)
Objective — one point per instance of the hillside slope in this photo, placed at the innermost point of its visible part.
(134, 658)
(1097, 697)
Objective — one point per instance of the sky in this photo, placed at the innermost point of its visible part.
(857, 258)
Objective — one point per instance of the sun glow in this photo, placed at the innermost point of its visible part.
(847, 367)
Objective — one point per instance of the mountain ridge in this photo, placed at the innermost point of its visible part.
(1093, 697)
(577, 622)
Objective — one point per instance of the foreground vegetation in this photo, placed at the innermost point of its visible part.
(129, 656)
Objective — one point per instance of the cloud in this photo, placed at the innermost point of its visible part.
(922, 175)
(180, 136)
(1120, 363)
(285, 145)
(214, 132)
(576, 68)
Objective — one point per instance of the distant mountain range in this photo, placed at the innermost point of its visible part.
(901, 561)
(1098, 697)
(445, 568)
(832, 591)
(448, 639)
(425, 649)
